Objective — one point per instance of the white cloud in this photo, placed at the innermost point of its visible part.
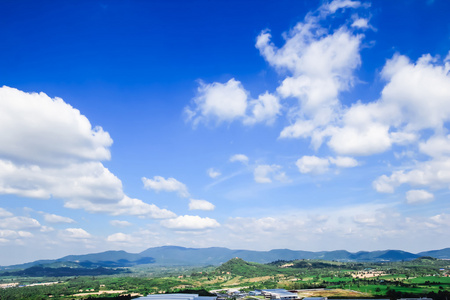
(434, 173)
(8, 235)
(317, 165)
(413, 99)
(362, 133)
(76, 233)
(441, 219)
(213, 173)
(118, 223)
(126, 206)
(321, 65)
(416, 99)
(120, 238)
(361, 23)
(200, 205)
(418, 197)
(226, 102)
(312, 164)
(417, 93)
(217, 101)
(266, 173)
(264, 109)
(188, 222)
(51, 218)
(19, 223)
(344, 161)
(159, 183)
(352, 227)
(436, 146)
(240, 158)
(333, 6)
(5, 213)
(39, 130)
(49, 149)
(46, 229)
(301, 128)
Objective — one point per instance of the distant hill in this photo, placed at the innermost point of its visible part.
(441, 254)
(181, 256)
(108, 259)
(38, 271)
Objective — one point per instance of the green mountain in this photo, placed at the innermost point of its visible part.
(238, 266)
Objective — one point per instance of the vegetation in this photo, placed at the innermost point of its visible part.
(421, 277)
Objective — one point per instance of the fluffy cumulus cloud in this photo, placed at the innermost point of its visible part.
(159, 183)
(225, 102)
(47, 132)
(416, 96)
(268, 173)
(264, 109)
(217, 101)
(318, 62)
(49, 149)
(321, 65)
(200, 205)
(413, 100)
(434, 173)
(188, 222)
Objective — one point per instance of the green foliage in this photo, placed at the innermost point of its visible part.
(420, 277)
(237, 266)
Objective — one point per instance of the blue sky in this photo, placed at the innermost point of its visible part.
(309, 125)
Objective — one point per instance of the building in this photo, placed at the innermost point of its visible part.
(281, 294)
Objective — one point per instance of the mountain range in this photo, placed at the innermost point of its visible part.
(181, 256)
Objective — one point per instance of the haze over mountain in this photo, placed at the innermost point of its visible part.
(176, 256)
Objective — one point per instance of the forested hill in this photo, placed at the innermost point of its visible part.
(238, 266)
